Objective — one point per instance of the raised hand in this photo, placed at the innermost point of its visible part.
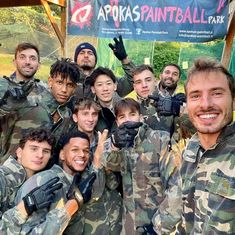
(118, 48)
(42, 196)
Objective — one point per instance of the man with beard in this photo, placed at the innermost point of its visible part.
(208, 168)
(168, 87)
(169, 78)
(86, 57)
(27, 63)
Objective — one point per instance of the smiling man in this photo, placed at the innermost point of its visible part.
(32, 155)
(27, 63)
(85, 117)
(208, 170)
(169, 78)
(103, 85)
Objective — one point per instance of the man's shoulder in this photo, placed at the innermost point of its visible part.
(13, 171)
(12, 164)
(41, 85)
(4, 84)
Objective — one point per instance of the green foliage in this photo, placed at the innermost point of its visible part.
(21, 24)
(165, 52)
(190, 51)
(54, 8)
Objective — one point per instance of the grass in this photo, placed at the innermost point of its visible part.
(7, 67)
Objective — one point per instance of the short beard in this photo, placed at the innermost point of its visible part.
(86, 67)
(169, 87)
(28, 76)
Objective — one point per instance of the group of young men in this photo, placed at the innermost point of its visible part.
(79, 158)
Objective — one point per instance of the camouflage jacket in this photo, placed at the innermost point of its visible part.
(12, 176)
(151, 186)
(54, 220)
(208, 179)
(107, 117)
(32, 114)
(124, 84)
(36, 91)
(103, 216)
(151, 117)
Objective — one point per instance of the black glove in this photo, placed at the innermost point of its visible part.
(42, 196)
(146, 229)
(118, 48)
(124, 135)
(177, 101)
(14, 97)
(168, 105)
(163, 104)
(22, 91)
(81, 190)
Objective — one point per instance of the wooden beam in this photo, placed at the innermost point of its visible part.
(61, 3)
(53, 22)
(228, 44)
(20, 3)
(63, 29)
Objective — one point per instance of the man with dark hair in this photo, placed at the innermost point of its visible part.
(169, 78)
(104, 215)
(208, 168)
(32, 155)
(26, 61)
(86, 57)
(85, 117)
(65, 212)
(151, 186)
(104, 85)
(50, 110)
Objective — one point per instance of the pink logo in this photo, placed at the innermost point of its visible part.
(82, 14)
(220, 6)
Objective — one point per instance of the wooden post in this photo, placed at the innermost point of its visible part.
(63, 29)
(54, 24)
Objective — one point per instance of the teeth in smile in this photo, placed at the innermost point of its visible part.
(79, 162)
(207, 116)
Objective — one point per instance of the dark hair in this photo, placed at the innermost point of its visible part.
(126, 103)
(24, 46)
(140, 68)
(172, 64)
(66, 68)
(209, 65)
(101, 71)
(37, 134)
(66, 138)
(85, 103)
